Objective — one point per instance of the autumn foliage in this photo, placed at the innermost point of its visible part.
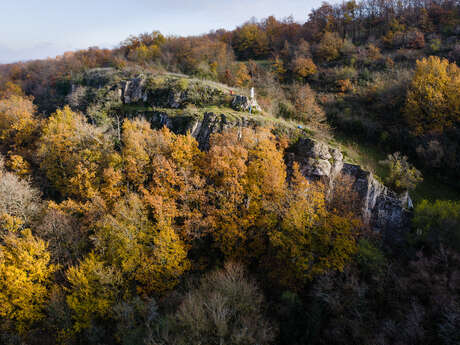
(145, 208)
(433, 104)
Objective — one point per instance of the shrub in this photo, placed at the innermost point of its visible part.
(135, 320)
(345, 85)
(18, 165)
(435, 45)
(343, 73)
(306, 108)
(303, 67)
(183, 84)
(402, 175)
(437, 223)
(370, 259)
(286, 110)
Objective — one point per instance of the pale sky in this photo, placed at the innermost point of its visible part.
(36, 29)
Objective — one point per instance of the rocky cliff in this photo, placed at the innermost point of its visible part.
(381, 208)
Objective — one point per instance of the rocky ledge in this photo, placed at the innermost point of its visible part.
(381, 208)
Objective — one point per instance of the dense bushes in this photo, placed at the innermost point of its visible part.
(437, 223)
(402, 175)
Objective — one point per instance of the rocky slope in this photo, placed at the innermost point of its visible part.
(381, 208)
(169, 98)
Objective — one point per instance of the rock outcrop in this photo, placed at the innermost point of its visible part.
(201, 128)
(132, 91)
(381, 208)
(243, 103)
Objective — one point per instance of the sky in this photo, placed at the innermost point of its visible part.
(37, 29)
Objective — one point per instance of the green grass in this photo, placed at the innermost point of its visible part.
(367, 156)
(135, 108)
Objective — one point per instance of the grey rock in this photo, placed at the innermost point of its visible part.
(381, 208)
(317, 167)
(243, 103)
(132, 91)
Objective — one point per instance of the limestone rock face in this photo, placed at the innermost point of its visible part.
(132, 91)
(381, 208)
(243, 103)
(200, 128)
(317, 160)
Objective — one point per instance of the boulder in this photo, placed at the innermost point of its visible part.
(243, 103)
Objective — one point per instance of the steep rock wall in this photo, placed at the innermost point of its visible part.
(381, 208)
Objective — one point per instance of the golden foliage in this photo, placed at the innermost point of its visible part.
(93, 290)
(73, 154)
(328, 48)
(433, 102)
(17, 164)
(25, 275)
(311, 240)
(17, 121)
(303, 67)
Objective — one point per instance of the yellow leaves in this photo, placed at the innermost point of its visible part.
(135, 151)
(310, 239)
(152, 256)
(242, 77)
(247, 176)
(279, 68)
(162, 264)
(94, 288)
(9, 89)
(73, 154)
(25, 274)
(20, 166)
(328, 48)
(432, 103)
(17, 121)
(172, 166)
(10, 223)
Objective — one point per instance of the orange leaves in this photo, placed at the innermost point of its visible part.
(246, 179)
(303, 67)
